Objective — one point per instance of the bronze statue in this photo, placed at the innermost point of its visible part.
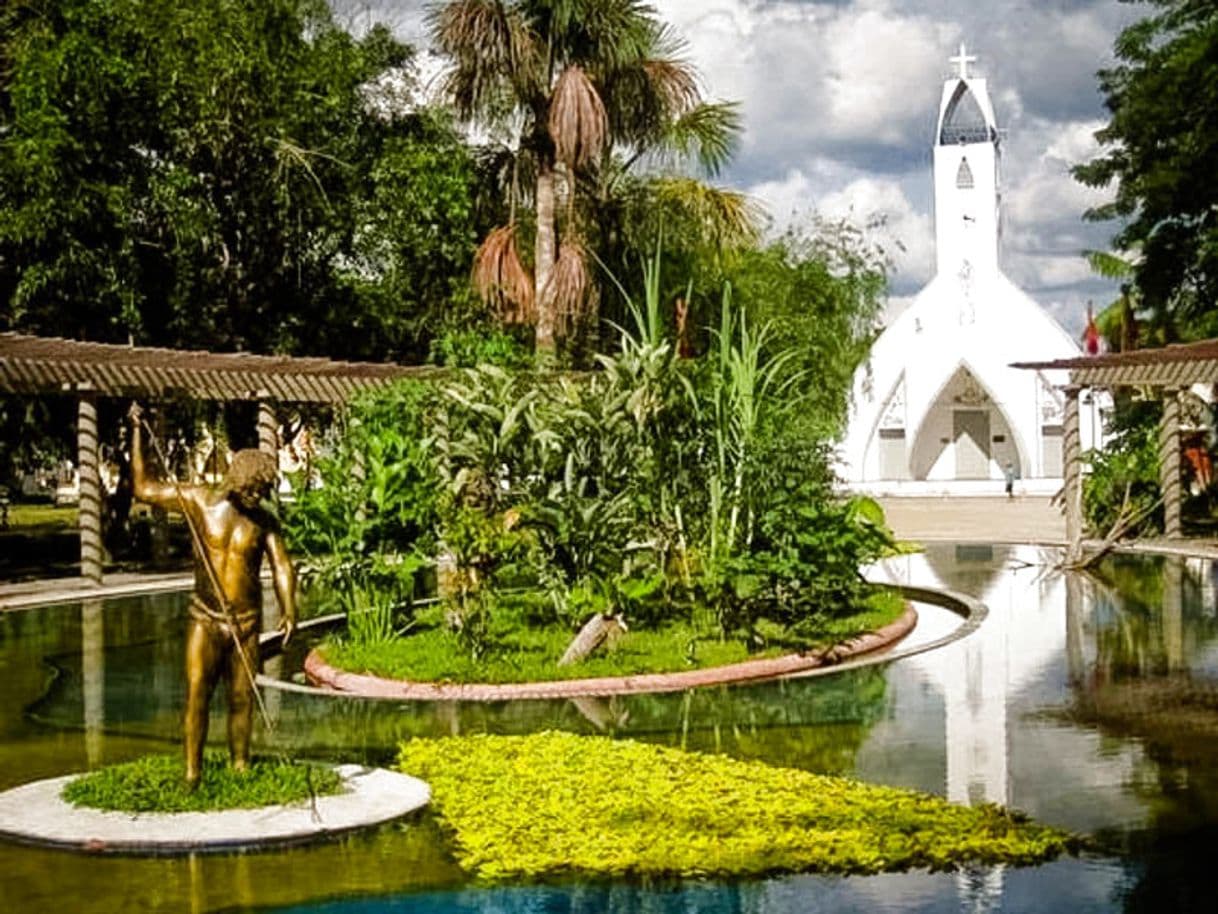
(231, 532)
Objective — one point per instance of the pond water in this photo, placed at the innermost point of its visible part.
(1090, 702)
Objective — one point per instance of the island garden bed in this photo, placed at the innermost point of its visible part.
(555, 804)
(538, 679)
(691, 500)
(524, 652)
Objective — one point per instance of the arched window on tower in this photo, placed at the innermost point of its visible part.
(964, 121)
(964, 175)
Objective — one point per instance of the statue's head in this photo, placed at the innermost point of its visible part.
(251, 477)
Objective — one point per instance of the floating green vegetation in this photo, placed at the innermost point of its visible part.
(526, 652)
(155, 783)
(556, 804)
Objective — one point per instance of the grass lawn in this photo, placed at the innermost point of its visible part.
(156, 783)
(552, 805)
(47, 518)
(527, 653)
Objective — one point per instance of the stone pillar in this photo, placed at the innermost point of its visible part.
(93, 677)
(1073, 494)
(87, 460)
(268, 428)
(1169, 463)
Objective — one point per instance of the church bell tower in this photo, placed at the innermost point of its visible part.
(966, 178)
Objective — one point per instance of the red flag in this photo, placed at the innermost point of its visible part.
(1091, 335)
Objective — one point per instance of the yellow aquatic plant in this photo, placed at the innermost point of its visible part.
(552, 804)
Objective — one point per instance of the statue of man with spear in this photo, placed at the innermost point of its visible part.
(231, 532)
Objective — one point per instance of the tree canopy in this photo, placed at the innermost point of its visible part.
(1161, 150)
(216, 174)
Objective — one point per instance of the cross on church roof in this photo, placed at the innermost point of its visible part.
(962, 60)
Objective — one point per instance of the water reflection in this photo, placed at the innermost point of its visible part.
(1091, 702)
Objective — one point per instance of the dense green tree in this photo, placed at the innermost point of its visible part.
(1161, 150)
(219, 173)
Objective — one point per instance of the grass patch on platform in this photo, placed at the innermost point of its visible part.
(155, 783)
(557, 804)
(523, 652)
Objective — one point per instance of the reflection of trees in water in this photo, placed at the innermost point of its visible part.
(1150, 615)
(1150, 620)
(816, 724)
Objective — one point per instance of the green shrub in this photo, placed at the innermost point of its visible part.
(556, 804)
(156, 783)
(1124, 475)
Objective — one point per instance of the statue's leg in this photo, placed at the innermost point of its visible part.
(241, 687)
(202, 673)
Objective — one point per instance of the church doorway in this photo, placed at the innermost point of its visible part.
(971, 434)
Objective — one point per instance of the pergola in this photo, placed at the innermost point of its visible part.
(1167, 371)
(90, 371)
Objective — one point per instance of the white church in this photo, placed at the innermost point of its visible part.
(937, 409)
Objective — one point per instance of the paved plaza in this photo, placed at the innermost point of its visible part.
(1023, 519)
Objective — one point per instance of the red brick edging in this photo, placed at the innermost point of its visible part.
(322, 674)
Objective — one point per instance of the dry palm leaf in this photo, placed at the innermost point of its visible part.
(567, 290)
(501, 279)
(578, 123)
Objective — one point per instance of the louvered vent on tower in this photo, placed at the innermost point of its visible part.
(964, 175)
(964, 121)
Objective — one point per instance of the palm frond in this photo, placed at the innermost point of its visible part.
(501, 278)
(674, 82)
(494, 54)
(728, 218)
(578, 124)
(1109, 265)
(570, 282)
(709, 133)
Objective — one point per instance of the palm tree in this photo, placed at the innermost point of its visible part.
(585, 88)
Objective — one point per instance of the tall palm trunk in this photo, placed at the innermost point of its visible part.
(545, 254)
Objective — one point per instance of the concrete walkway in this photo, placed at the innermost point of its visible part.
(1023, 519)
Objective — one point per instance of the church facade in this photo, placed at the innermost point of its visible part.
(937, 409)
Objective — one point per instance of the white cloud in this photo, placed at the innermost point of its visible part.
(839, 99)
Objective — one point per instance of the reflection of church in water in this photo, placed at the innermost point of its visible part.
(1051, 641)
(937, 407)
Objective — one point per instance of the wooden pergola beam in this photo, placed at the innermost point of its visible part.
(33, 365)
(1167, 371)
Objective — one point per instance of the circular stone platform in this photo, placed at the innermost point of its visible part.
(36, 814)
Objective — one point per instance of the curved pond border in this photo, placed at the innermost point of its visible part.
(323, 674)
(867, 650)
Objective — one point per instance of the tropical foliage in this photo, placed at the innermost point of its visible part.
(1161, 149)
(1124, 480)
(578, 92)
(656, 488)
(218, 174)
(555, 804)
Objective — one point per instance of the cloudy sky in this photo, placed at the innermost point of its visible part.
(840, 98)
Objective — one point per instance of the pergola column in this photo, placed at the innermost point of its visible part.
(1169, 463)
(268, 443)
(268, 428)
(90, 515)
(1073, 493)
